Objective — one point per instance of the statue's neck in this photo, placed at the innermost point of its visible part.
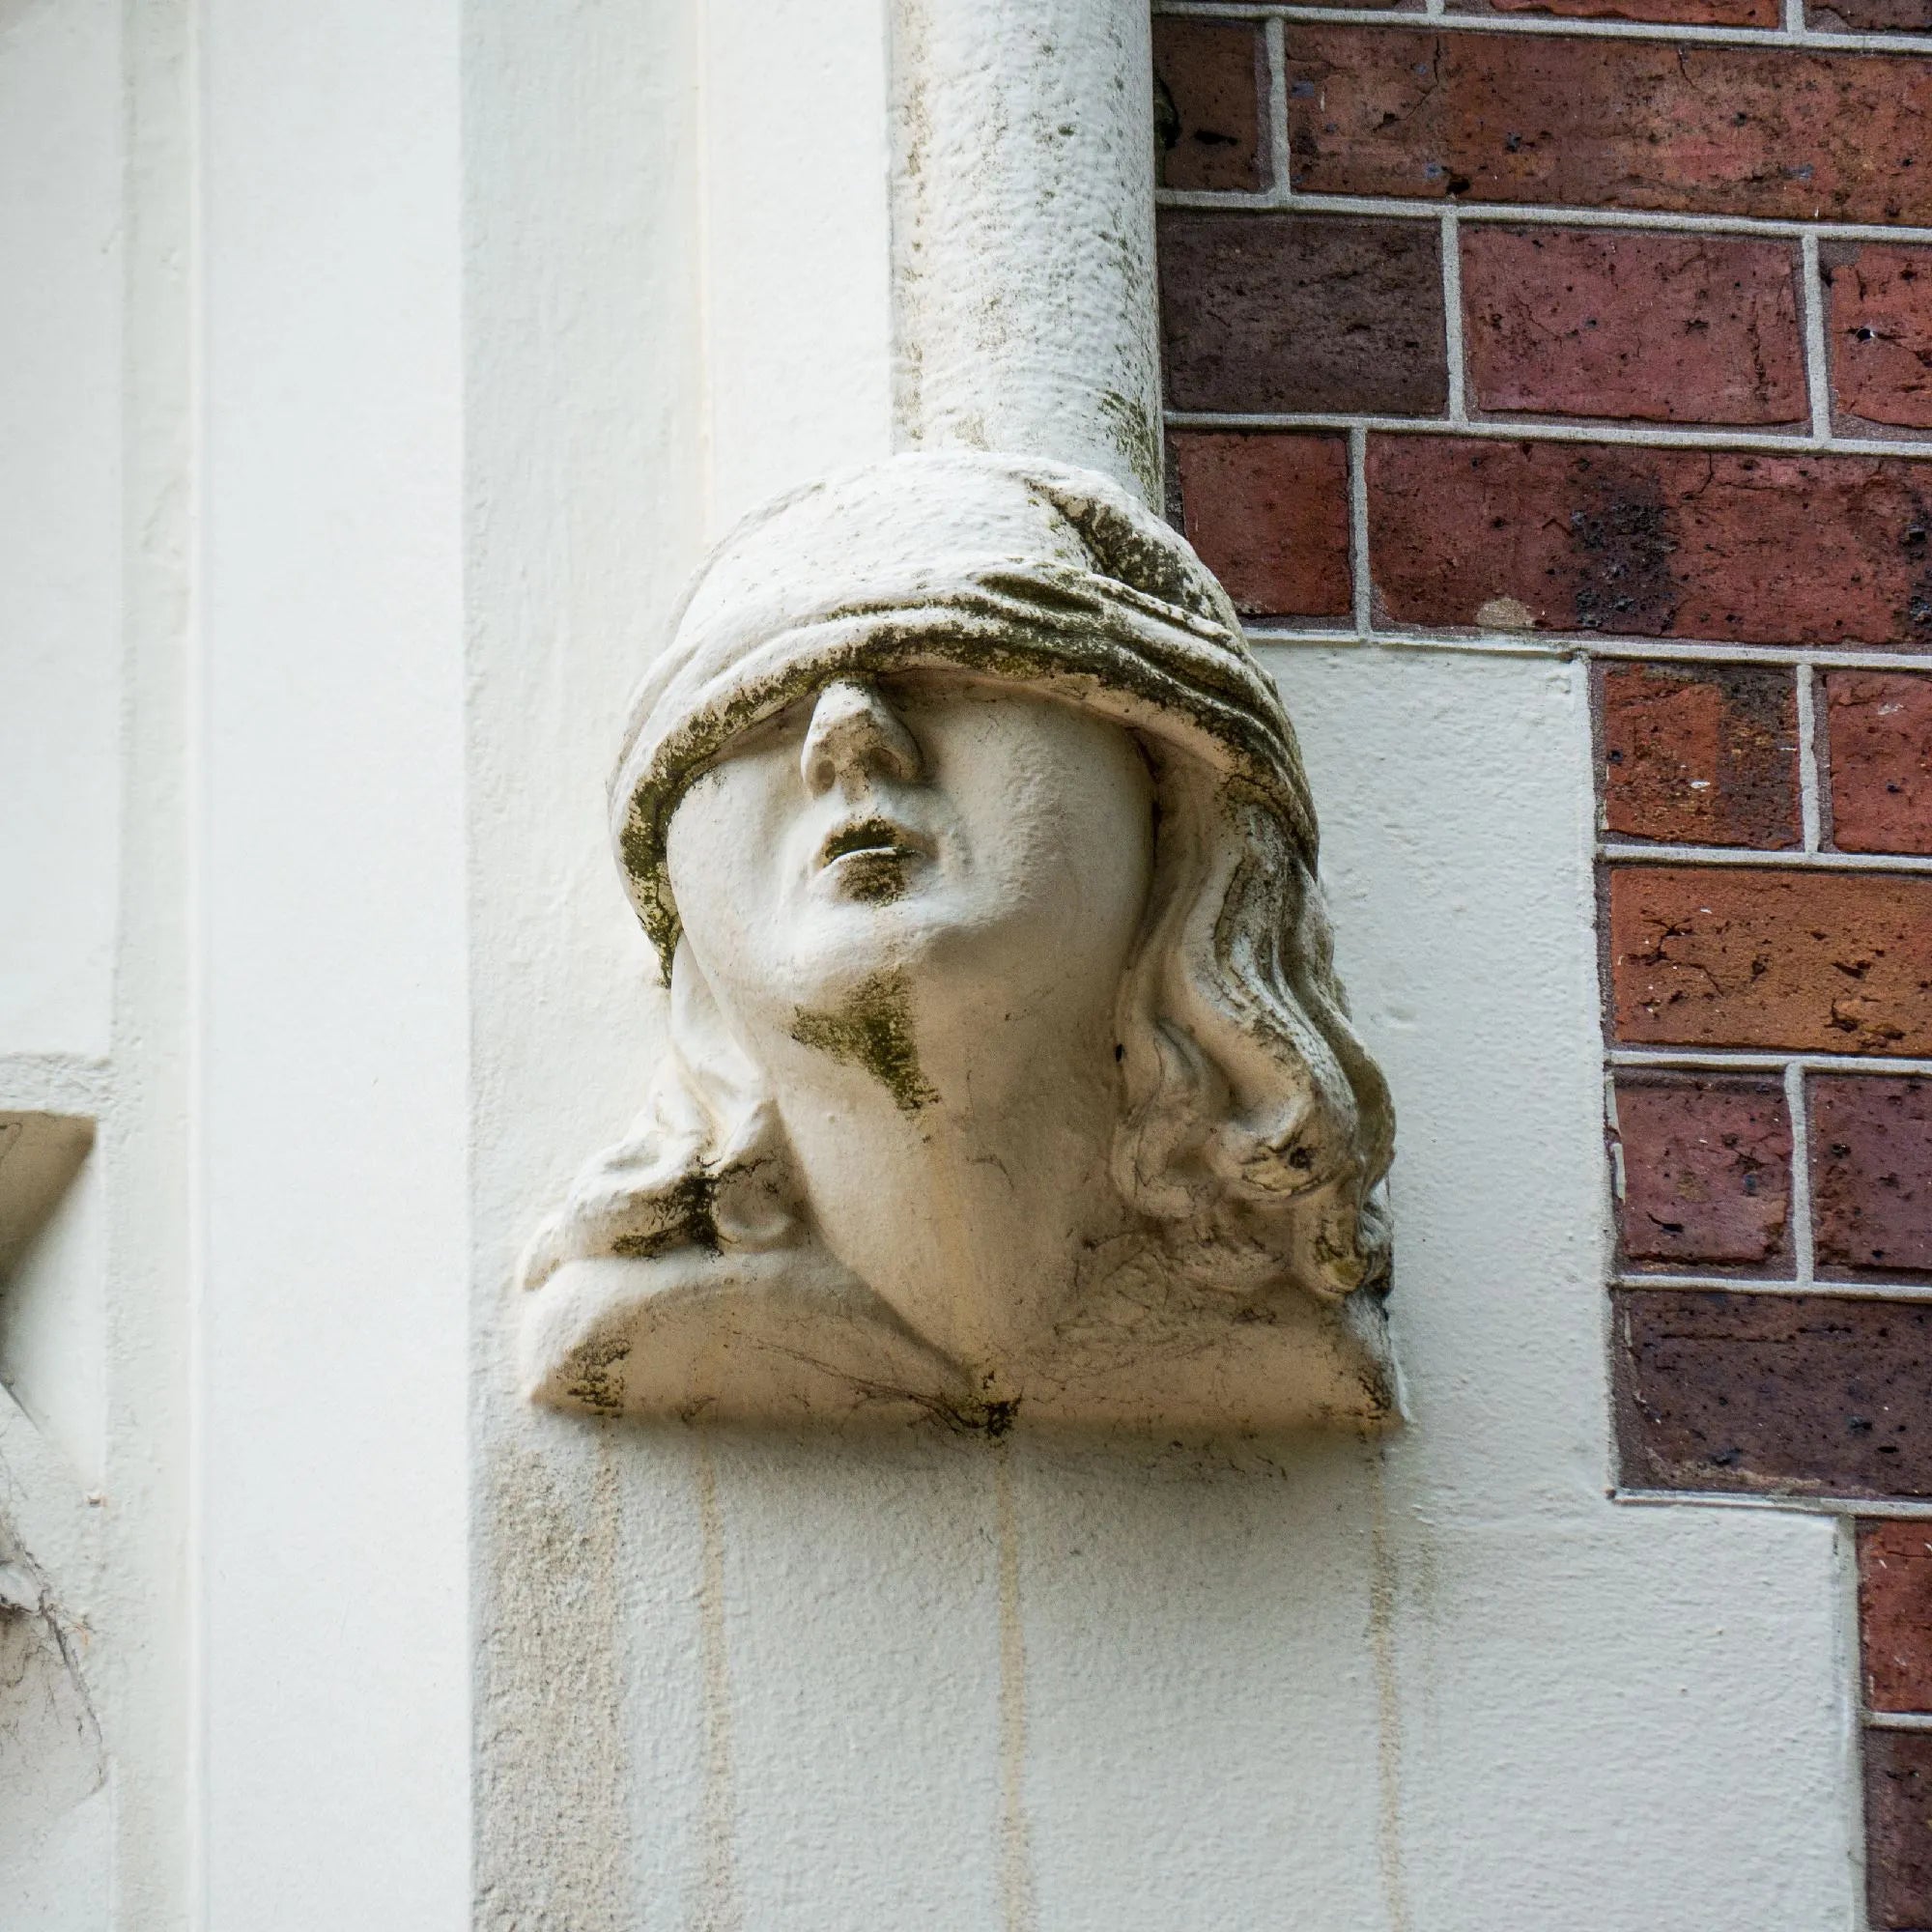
(978, 1203)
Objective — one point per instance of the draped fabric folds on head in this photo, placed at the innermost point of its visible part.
(1000, 567)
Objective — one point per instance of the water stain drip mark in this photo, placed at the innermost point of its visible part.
(552, 1846)
(1388, 1701)
(717, 1907)
(1019, 1908)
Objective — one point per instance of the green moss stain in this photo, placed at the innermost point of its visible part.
(872, 1030)
(1136, 435)
(597, 1376)
(687, 1217)
(877, 879)
(874, 863)
(995, 1418)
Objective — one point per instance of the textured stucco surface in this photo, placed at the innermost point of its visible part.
(1023, 280)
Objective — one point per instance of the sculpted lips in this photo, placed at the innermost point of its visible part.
(870, 856)
(878, 837)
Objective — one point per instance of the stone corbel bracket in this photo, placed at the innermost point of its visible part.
(1007, 1072)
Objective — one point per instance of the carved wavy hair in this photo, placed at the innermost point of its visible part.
(1256, 1131)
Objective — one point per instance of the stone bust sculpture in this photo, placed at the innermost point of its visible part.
(1008, 1073)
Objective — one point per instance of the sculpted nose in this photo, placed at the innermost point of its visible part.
(855, 736)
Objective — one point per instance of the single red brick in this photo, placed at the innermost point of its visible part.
(1652, 542)
(1269, 515)
(1804, 1394)
(1701, 754)
(1881, 759)
(1826, 962)
(1899, 1829)
(1879, 321)
(1682, 12)
(1896, 1614)
(1211, 78)
(1608, 124)
(1278, 312)
(1871, 1174)
(1604, 321)
(1706, 1168)
(1872, 16)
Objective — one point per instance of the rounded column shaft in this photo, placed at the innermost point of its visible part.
(1023, 236)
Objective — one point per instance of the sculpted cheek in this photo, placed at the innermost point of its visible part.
(1076, 810)
(717, 856)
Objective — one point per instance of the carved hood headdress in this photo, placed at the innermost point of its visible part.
(1001, 567)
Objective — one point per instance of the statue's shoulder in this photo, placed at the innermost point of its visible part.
(1148, 1354)
(739, 1335)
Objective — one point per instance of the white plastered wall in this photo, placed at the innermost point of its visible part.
(95, 387)
(330, 1787)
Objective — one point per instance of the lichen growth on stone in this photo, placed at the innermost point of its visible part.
(597, 1380)
(873, 1030)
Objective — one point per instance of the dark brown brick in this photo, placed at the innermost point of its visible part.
(1680, 13)
(1899, 1829)
(1701, 754)
(1896, 1614)
(1880, 760)
(1609, 124)
(1871, 1174)
(1210, 83)
(1652, 542)
(1604, 321)
(1872, 16)
(1879, 316)
(1829, 962)
(1707, 1171)
(1324, 313)
(1269, 515)
(1809, 1394)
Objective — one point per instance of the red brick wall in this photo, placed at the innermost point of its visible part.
(1606, 327)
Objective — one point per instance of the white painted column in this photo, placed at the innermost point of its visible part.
(1023, 231)
(329, 1551)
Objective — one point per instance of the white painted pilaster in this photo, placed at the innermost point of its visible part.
(328, 1559)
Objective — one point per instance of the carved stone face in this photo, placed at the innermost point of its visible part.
(972, 845)
(1004, 1071)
